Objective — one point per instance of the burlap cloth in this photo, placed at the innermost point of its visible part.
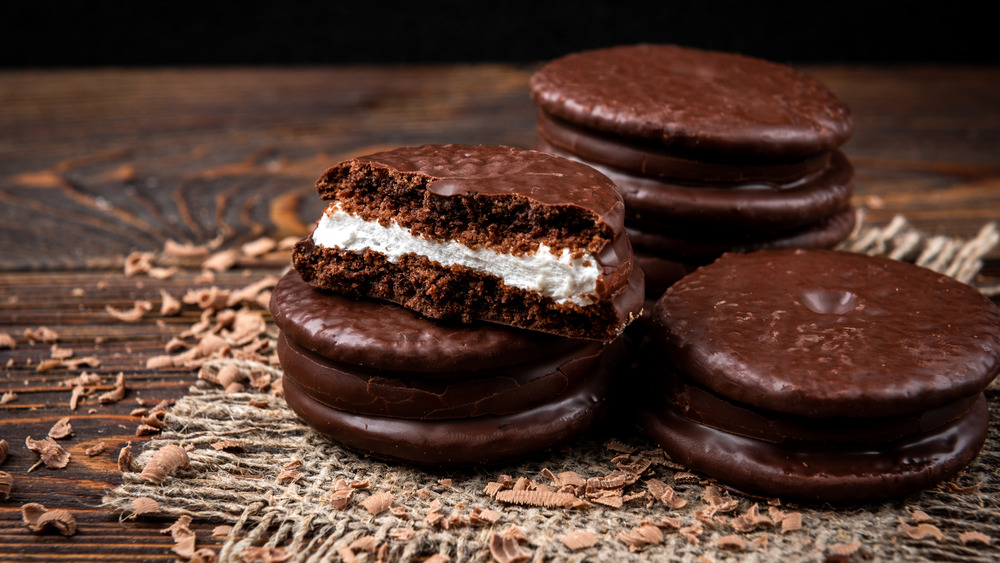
(278, 490)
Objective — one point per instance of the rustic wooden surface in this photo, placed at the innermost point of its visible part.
(96, 164)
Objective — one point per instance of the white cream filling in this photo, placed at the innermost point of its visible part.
(557, 275)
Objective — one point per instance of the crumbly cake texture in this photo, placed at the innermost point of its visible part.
(502, 198)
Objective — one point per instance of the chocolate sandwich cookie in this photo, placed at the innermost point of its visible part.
(505, 235)
(824, 375)
(388, 381)
(714, 147)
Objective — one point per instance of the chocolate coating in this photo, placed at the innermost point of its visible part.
(486, 392)
(695, 100)
(469, 441)
(821, 472)
(502, 171)
(646, 159)
(823, 234)
(387, 337)
(822, 333)
(761, 209)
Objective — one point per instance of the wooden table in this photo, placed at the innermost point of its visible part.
(95, 164)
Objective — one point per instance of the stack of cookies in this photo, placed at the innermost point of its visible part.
(713, 152)
(457, 304)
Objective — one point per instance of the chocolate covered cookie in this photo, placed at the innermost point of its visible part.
(705, 146)
(388, 381)
(505, 235)
(822, 375)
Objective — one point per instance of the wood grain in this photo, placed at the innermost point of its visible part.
(96, 164)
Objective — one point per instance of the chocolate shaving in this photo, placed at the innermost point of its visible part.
(692, 532)
(57, 353)
(164, 462)
(38, 519)
(402, 534)
(227, 445)
(920, 516)
(7, 341)
(719, 502)
(75, 395)
(845, 549)
(221, 261)
(540, 498)
(169, 305)
(6, 482)
(50, 453)
(144, 505)
(341, 495)
(183, 537)
(96, 449)
(580, 539)
(115, 394)
(750, 520)
(138, 263)
(8, 397)
(974, 537)
(184, 250)
(221, 531)
(791, 522)
(641, 536)
(133, 315)
(731, 541)
(921, 531)
(484, 517)
(377, 503)
(288, 476)
(505, 549)
(61, 429)
(42, 333)
(125, 461)
(49, 365)
(4, 450)
(364, 543)
(258, 247)
(665, 494)
(146, 430)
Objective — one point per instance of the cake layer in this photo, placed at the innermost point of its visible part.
(457, 293)
(478, 232)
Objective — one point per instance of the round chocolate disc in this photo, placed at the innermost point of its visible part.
(821, 471)
(488, 392)
(695, 100)
(384, 336)
(822, 333)
(464, 441)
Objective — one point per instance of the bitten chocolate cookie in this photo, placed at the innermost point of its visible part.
(388, 381)
(490, 233)
(707, 146)
(823, 375)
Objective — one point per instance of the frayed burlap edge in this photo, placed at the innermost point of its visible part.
(278, 490)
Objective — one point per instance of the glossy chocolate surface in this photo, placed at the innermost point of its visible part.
(821, 333)
(821, 472)
(683, 98)
(650, 160)
(490, 170)
(468, 441)
(487, 392)
(382, 336)
(822, 234)
(758, 208)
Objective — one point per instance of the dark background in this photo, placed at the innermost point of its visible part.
(75, 33)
